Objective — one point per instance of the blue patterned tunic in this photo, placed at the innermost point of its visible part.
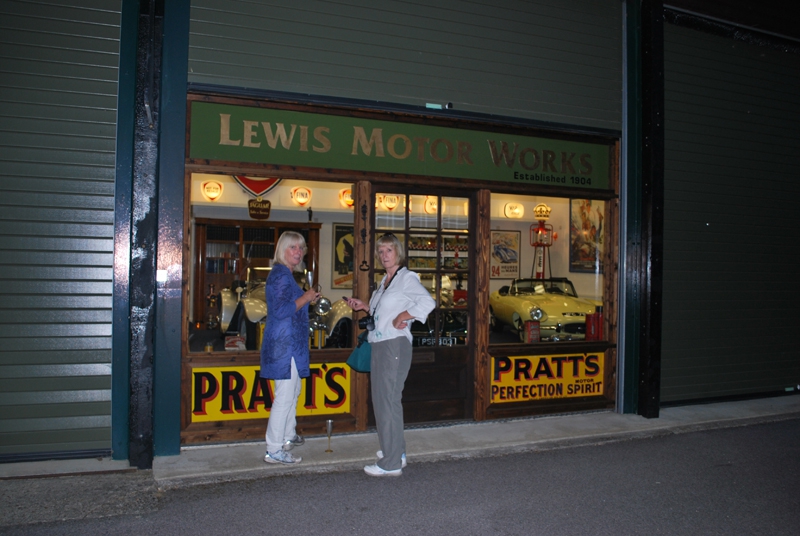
(286, 329)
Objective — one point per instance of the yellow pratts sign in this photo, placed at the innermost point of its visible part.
(238, 393)
(526, 378)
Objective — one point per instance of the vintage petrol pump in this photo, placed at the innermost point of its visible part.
(542, 237)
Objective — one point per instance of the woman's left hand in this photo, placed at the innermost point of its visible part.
(400, 323)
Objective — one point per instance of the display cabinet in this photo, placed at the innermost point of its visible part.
(225, 250)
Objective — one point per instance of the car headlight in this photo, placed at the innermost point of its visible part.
(322, 306)
(538, 314)
(317, 323)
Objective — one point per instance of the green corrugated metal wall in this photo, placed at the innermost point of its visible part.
(546, 59)
(732, 181)
(58, 90)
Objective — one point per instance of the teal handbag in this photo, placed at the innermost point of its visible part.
(361, 355)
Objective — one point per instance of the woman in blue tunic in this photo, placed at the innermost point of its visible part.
(284, 352)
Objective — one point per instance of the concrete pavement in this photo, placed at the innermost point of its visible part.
(350, 452)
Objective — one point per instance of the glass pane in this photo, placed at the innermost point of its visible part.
(421, 252)
(423, 211)
(454, 327)
(455, 254)
(555, 294)
(455, 286)
(331, 323)
(455, 211)
(429, 282)
(230, 251)
(389, 211)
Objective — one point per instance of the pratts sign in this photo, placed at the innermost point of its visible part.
(230, 133)
(237, 393)
(526, 378)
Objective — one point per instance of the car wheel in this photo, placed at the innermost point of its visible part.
(519, 326)
(340, 335)
(250, 333)
(494, 323)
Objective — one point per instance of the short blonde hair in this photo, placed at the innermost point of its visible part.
(287, 240)
(390, 240)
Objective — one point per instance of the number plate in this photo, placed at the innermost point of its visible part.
(431, 341)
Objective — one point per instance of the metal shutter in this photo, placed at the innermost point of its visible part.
(731, 290)
(58, 89)
(545, 59)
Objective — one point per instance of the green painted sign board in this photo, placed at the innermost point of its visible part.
(233, 133)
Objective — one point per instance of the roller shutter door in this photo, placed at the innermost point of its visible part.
(58, 88)
(731, 290)
(545, 59)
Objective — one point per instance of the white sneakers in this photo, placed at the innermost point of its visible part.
(403, 458)
(296, 441)
(374, 470)
(282, 456)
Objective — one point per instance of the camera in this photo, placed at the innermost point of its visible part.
(368, 323)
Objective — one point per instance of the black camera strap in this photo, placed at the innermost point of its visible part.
(388, 284)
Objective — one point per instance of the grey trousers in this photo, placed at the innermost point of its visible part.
(391, 361)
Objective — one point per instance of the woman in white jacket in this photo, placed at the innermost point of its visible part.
(396, 303)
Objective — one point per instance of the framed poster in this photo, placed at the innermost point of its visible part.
(586, 235)
(342, 276)
(504, 260)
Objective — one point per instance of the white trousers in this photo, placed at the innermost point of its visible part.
(283, 414)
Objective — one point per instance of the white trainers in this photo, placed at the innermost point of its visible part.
(294, 442)
(282, 456)
(374, 470)
(402, 458)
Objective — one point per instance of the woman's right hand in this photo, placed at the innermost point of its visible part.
(311, 295)
(355, 304)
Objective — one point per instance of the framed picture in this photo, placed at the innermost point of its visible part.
(504, 260)
(586, 235)
(342, 276)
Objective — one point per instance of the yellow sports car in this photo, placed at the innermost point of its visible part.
(553, 302)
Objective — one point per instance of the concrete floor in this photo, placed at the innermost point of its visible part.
(350, 452)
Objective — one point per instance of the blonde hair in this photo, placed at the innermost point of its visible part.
(287, 240)
(390, 240)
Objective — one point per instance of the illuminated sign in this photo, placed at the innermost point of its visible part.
(238, 393)
(212, 190)
(431, 205)
(542, 212)
(514, 210)
(301, 195)
(528, 378)
(346, 198)
(389, 202)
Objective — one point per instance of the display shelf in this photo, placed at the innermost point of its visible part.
(225, 249)
(439, 254)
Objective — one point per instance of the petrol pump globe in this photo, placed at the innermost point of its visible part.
(541, 238)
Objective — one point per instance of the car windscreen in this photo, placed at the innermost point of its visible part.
(540, 286)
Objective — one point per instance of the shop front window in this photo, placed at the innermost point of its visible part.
(434, 232)
(231, 255)
(546, 269)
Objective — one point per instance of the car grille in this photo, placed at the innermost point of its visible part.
(573, 329)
